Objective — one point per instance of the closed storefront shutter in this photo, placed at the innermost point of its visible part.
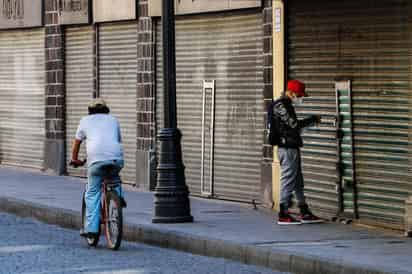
(79, 85)
(22, 106)
(226, 48)
(117, 84)
(370, 43)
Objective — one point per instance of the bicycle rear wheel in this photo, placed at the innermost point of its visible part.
(91, 241)
(113, 221)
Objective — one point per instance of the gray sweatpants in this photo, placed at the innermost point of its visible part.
(291, 178)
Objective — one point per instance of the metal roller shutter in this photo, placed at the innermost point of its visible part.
(370, 42)
(79, 85)
(226, 48)
(307, 62)
(22, 106)
(117, 85)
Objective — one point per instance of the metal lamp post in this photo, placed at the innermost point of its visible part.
(171, 204)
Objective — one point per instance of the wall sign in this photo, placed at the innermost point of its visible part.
(21, 13)
(74, 11)
(114, 10)
(278, 20)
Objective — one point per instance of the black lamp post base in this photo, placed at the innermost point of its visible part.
(172, 220)
(172, 204)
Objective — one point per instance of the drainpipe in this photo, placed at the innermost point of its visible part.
(153, 148)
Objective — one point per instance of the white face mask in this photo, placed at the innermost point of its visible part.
(297, 100)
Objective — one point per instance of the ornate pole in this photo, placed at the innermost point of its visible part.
(171, 204)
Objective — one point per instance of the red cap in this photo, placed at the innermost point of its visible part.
(297, 87)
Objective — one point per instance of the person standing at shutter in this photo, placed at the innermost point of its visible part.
(289, 144)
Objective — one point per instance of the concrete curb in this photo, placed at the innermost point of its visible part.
(248, 254)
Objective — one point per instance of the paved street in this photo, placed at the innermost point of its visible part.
(31, 247)
(220, 229)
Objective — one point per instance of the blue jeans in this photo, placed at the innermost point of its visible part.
(93, 195)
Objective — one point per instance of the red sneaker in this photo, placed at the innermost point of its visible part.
(310, 218)
(286, 219)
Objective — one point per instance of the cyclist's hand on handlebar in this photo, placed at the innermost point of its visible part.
(77, 163)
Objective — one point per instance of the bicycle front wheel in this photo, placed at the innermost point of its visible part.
(113, 225)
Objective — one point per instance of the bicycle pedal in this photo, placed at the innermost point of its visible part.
(123, 202)
(83, 233)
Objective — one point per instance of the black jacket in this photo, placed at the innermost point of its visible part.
(289, 126)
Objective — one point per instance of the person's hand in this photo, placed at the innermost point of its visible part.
(317, 119)
(77, 162)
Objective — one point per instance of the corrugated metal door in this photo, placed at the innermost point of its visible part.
(117, 85)
(309, 62)
(79, 85)
(369, 42)
(226, 48)
(22, 106)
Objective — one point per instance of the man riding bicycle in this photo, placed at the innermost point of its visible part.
(103, 147)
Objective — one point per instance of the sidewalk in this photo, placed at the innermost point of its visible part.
(220, 229)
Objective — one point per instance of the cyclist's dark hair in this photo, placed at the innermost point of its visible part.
(99, 109)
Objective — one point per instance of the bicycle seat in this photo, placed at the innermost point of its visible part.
(108, 170)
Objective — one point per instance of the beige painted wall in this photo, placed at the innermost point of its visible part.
(114, 10)
(199, 6)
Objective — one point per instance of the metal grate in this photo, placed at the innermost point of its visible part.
(22, 106)
(79, 85)
(226, 48)
(117, 85)
(369, 42)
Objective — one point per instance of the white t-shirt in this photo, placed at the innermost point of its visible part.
(103, 138)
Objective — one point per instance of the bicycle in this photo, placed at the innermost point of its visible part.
(111, 211)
